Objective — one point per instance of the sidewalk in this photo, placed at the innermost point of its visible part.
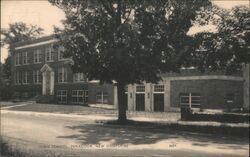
(164, 120)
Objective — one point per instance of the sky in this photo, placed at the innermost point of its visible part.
(44, 15)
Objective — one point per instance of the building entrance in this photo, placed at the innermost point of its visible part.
(48, 80)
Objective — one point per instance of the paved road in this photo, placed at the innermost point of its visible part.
(81, 136)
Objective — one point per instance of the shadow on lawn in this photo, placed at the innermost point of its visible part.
(136, 135)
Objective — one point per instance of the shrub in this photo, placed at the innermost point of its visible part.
(189, 115)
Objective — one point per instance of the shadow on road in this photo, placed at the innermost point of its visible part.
(118, 134)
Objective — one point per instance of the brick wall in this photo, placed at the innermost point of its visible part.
(94, 88)
(213, 92)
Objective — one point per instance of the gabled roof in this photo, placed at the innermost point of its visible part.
(46, 67)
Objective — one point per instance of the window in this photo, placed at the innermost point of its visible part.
(158, 88)
(102, 97)
(78, 96)
(37, 56)
(18, 59)
(140, 89)
(25, 57)
(86, 96)
(25, 77)
(193, 100)
(18, 78)
(49, 55)
(79, 77)
(37, 77)
(61, 50)
(62, 75)
(62, 96)
(230, 98)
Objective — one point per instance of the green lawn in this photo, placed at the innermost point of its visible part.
(85, 110)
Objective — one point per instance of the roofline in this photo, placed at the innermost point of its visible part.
(32, 41)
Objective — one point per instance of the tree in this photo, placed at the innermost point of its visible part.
(16, 32)
(227, 48)
(19, 31)
(126, 41)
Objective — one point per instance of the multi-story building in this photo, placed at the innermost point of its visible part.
(39, 69)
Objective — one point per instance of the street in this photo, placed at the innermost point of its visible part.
(80, 135)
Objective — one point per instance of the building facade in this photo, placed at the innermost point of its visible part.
(211, 90)
(39, 69)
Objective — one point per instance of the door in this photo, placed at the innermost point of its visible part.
(140, 102)
(47, 82)
(159, 102)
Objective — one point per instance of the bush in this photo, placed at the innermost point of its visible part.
(188, 115)
(6, 92)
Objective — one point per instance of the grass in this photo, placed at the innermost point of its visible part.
(7, 150)
(85, 110)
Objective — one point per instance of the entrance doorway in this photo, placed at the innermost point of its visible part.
(140, 102)
(48, 80)
(140, 98)
(159, 102)
(158, 98)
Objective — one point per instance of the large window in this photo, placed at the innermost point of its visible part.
(37, 56)
(102, 97)
(37, 77)
(49, 55)
(18, 78)
(79, 77)
(62, 75)
(18, 58)
(62, 96)
(25, 77)
(61, 50)
(25, 58)
(192, 100)
(78, 96)
(86, 96)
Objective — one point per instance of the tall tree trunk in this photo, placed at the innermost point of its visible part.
(122, 117)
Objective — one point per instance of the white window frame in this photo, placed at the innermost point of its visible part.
(159, 89)
(140, 89)
(25, 77)
(49, 54)
(61, 95)
(86, 96)
(37, 58)
(37, 77)
(64, 73)
(77, 96)
(102, 95)
(25, 58)
(190, 96)
(18, 58)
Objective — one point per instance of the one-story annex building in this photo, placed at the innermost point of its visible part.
(39, 69)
